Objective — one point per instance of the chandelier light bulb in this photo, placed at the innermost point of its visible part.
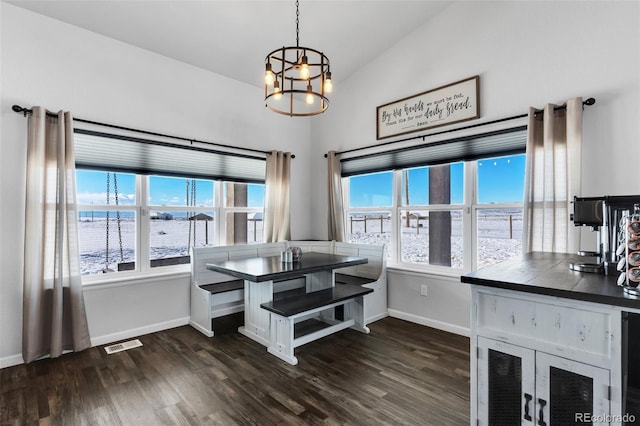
(304, 68)
(328, 85)
(309, 98)
(269, 76)
(276, 90)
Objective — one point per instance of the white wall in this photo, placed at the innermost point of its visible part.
(527, 54)
(49, 63)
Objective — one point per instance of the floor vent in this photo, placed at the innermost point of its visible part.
(119, 347)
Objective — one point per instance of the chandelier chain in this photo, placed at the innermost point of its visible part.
(297, 24)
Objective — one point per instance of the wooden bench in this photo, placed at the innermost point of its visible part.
(285, 313)
(372, 274)
(214, 294)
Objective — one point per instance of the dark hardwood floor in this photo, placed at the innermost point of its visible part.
(401, 373)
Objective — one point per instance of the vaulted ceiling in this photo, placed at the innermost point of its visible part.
(232, 37)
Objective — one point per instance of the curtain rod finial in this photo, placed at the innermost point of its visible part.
(590, 101)
(19, 109)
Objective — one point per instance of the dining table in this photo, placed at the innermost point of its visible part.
(259, 274)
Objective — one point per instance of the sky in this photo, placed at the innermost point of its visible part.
(163, 191)
(500, 180)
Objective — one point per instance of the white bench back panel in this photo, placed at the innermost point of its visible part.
(200, 256)
(312, 246)
(375, 255)
(273, 249)
(203, 255)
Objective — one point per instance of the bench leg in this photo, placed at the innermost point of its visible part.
(355, 310)
(201, 311)
(281, 344)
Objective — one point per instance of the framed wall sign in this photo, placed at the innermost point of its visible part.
(453, 103)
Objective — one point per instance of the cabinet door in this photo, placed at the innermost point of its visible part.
(569, 392)
(506, 375)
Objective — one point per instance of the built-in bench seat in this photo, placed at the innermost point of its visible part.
(372, 274)
(286, 312)
(223, 287)
(214, 294)
(352, 279)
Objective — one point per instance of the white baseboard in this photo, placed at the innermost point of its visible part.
(376, 317)
(127, 334)
(11, 360)
(201, 329)
(455, 329)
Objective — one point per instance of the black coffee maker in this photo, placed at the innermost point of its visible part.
(589, 212)
(603, 215)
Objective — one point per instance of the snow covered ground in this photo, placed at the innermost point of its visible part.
(498, 239)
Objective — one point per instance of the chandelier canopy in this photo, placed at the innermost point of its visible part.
(297, 79)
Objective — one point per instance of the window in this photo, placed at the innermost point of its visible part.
(457, 215)
(107, 225)
(143, 204)
(371, 199)
(177, 214)
(498, 211)
(432, 235)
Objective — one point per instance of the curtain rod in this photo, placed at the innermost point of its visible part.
(589, 101)
(26, 111)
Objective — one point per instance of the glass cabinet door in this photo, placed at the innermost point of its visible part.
(505, 384)
(570, 393)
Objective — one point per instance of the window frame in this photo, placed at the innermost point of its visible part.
(470, 209)
(142, 209)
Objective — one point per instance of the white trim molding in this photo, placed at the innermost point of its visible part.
(444, 326)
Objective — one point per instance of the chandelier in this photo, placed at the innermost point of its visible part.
(297, 79)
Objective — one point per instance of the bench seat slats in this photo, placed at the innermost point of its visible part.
(294, 305)
(352, 279)
(217, 288)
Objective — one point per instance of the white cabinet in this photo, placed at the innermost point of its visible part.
(518, 385)
(543, 360)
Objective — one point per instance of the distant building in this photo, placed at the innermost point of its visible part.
(161, 216)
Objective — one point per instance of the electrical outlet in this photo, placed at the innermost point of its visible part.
(423, 290)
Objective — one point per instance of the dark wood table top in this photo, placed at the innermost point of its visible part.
(258, 269)
(549, 274)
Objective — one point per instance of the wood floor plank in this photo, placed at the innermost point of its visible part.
(401, 373)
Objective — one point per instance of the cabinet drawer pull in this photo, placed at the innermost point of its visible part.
(527, 400)
(541, 421)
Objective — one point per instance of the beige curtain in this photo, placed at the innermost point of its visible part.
(553, 173)
(277, 219)
(54, 318)
(336, 208)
